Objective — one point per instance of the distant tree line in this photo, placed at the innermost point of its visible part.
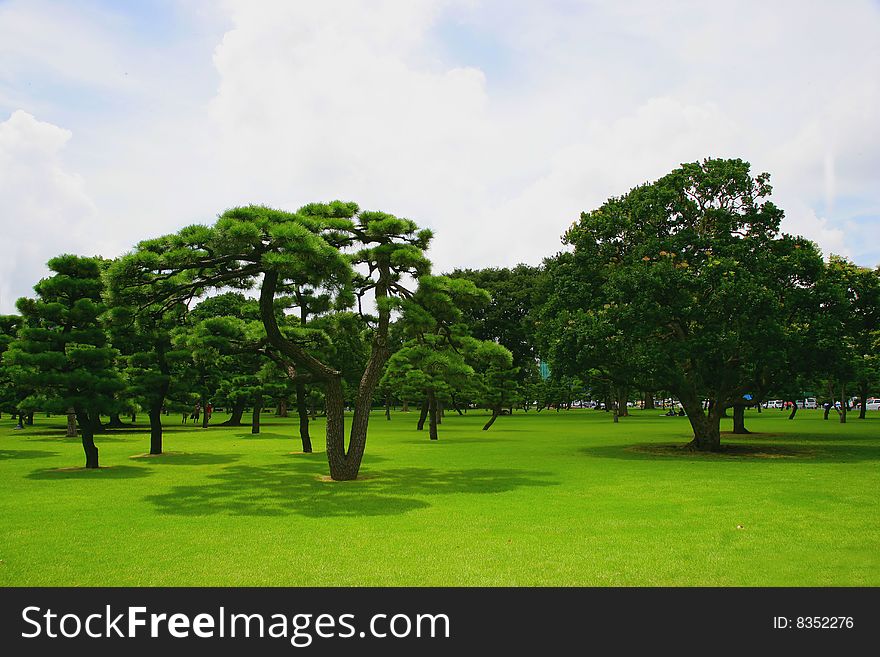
(684, 287)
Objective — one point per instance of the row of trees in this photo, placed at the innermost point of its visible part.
(684, 286)
(168, 325)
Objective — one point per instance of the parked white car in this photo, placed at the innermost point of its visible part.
(809, 402)
(873, 404)
(773, 403)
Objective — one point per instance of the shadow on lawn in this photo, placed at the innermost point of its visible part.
(59, 437)
(451, 439)
(739, 452)
(278, 490)
(104, 472)
(24, 454)
(269, 436)
(185, 458)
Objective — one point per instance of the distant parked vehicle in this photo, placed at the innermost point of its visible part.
(809, 402)
(773, 403)
(873, 404)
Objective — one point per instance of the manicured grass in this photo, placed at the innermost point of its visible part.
(552, 499)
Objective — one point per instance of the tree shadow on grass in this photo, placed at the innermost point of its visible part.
(267, 436)
(796, 437)
(739, 453)
(185, 458)
(452, 440)
(279, 490)
(24, 454)
(104, 472)
(61, 438)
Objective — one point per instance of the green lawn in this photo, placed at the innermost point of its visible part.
(541, 499)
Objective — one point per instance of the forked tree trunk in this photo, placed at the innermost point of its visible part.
(303, 414)
(115, 421)
(706, 424)
(496, 411)
(423, 415)
(739, 419)
(29, 420)
(344, 463)
(432, 413)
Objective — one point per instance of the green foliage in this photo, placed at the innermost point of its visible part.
(509, 318)
(688, 276)
(62, 354)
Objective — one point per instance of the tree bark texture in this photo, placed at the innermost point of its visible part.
(739, 419)
(706, 424)
(423, 415)
(303, 414)
(432, 413)
(255, 418)
(496, 411)
(235, 416)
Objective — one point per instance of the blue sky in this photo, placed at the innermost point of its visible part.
(497, 120)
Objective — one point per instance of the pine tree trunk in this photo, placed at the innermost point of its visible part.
(455, 406)
(255, 418)
(432, 414)
(134, 417)
(405, 408)
(739, 419)
(86, 422)
(303, 414)
(649, 401)
(115, 421)
(71, 423)
(496, 411)
(155, 415)
(282, 408)
(843, 403)
(29, 420)
(387, 407)
(236, 415)
(794, 409)
(423, 415)
(205, 416)
(439, 408)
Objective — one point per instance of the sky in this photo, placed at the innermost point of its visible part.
(495, 123)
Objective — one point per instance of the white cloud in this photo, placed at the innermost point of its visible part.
(549, 110)
(46, 209)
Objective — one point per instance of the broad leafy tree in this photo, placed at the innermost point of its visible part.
(692, 269)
